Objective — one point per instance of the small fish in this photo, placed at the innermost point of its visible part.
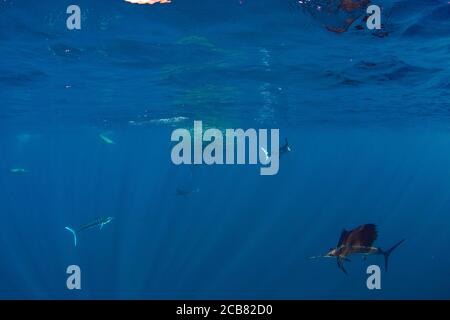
(286, 148)
(99, 222)
(182, 192)
(358, 241)
(18, 171)
(106, 140)
(148, 1)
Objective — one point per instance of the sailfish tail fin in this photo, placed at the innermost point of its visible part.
(388, 252)
(74, 234)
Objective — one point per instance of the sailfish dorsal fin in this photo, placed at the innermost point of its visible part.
(363, 236)
(344, 235)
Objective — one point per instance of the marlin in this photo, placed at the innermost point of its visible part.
(99, 222)
(358, 241)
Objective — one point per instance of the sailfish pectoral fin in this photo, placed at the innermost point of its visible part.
(101, 226)
(341, 265)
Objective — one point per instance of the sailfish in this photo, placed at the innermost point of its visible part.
(358, 241)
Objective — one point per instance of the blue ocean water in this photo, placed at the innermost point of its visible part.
(366, 113)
